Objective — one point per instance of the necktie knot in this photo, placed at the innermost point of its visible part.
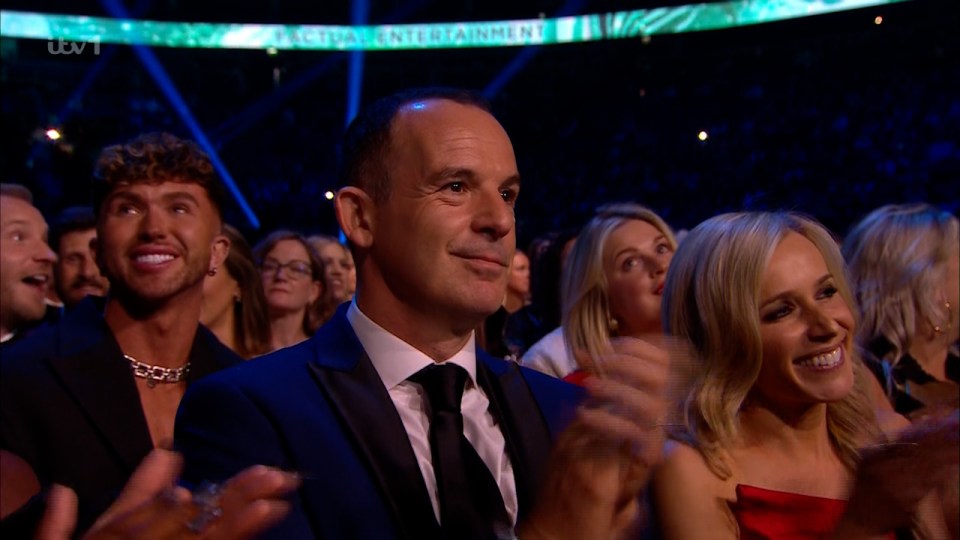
(443, 385)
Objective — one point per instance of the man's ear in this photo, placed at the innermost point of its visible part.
(356, 213)
(219, 251)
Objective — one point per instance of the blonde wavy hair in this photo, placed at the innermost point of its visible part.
(712, 299)
(586, 307)
(898, 256)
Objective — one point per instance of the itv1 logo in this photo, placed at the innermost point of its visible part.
(62, 46)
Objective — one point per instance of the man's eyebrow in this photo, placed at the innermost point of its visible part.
(13, 222)
(453, 172)
(512, 181)
(179, 195)
(124, 195)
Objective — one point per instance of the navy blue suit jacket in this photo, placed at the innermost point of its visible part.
(319, 408)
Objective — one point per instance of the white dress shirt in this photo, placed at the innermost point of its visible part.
(551, 355)
(395, 361)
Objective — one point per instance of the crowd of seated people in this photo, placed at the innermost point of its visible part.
(778, 430)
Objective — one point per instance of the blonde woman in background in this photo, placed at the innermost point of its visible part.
(339, 276)
(612, 285)
(778, 415)
(905, 268)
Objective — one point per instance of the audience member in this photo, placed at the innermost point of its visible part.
(292, 275)
(905, 268)
(373, 400)
(612, 286)
(339, 272)
(26, 262)
(74, 237)
(491, 334)
(234, 306)
(535, 320)
(112, 372)
(777, 419)
(518, 286)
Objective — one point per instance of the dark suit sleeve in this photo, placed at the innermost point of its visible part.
(221, 431)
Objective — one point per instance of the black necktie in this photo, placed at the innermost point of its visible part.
(470, 502)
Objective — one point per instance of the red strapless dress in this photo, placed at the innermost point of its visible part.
(764, 514)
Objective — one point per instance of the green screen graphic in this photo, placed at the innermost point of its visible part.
(576, 29)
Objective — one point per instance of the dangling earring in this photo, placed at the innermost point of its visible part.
(614, 325)
(212, 272)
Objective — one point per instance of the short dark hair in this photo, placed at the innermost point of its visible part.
(154, 158)
(367, 139)
(16, 191)
(70, 220)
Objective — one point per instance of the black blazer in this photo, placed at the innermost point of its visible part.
(69, 405)
(319, 408)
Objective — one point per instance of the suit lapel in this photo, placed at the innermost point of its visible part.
(357, 395)
(91, 367)
(527, 437)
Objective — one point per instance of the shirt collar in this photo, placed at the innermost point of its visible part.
(396, 360)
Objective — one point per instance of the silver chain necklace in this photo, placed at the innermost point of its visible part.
(157, 374)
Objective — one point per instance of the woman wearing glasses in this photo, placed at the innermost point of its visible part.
(292, 274)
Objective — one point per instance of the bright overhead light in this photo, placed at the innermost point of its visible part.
(53, 134)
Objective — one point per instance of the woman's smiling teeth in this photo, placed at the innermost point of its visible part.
(823, 361)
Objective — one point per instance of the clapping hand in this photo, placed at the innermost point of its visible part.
(602, 462)
(152, 507)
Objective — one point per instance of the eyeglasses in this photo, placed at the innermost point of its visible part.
(295, 269)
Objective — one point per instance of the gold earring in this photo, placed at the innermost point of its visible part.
(614, 325)
(936, 328)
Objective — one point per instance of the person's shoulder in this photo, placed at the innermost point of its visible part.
(549, 342)
(544, 387)
(683, 458)
(690, 499)
(546, 352)
(533, 376)
(221, 355)
(266, 370)
(549, 381)
(684, 465)
(25, 353)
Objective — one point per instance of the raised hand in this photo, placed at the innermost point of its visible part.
(602, 462)
(894, 477)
